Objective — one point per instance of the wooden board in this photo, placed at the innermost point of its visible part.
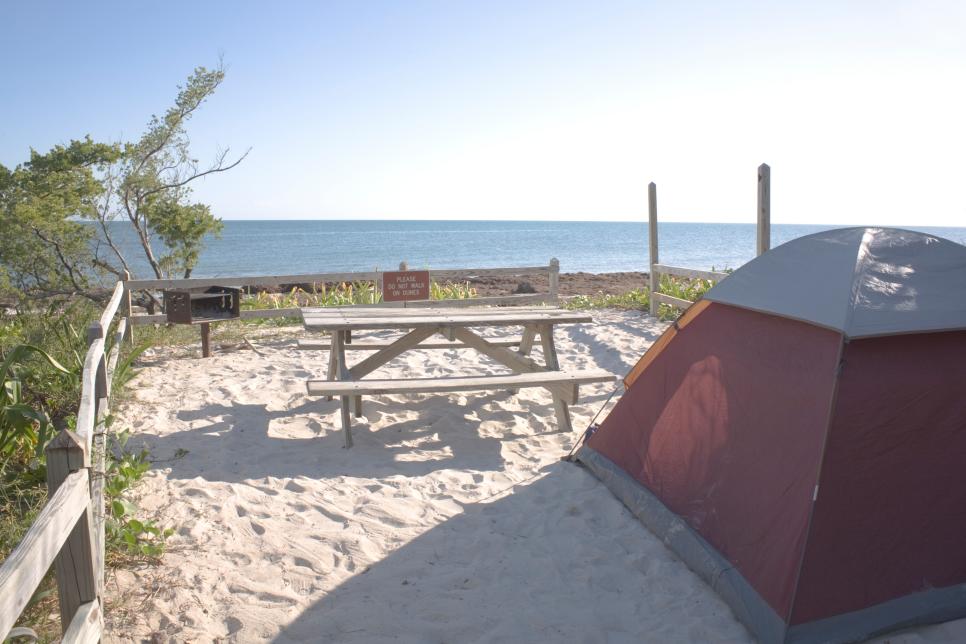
(86, 626)
(325, 345)
(355, 322)
(26, 566)
(462, 383)
(714, 276)
(669, 299)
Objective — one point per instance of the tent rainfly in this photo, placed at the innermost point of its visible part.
(798, 436)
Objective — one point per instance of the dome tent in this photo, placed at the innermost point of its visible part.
(798, 436)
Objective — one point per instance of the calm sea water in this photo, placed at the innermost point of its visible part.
(289, 247)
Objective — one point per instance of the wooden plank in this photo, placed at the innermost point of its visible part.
(325, 345)
(87, 411)
(87, 625)
(115, 352)
(342, 312)
(670, 299)
(384, 355)
(26, 566)
(322, 323)
(253, 280)
(461, 383)
(257, 314)
(560, 407)
(308, 278)
(244, 315)
(489, 300)
(653, 276)
(107, 316)
(764, 209)
(714, 276)
(74, 564)
(466, 273)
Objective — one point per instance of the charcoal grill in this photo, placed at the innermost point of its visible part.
(202, 306)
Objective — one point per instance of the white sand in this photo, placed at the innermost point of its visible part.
(451, 520)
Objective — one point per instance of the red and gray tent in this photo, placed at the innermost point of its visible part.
(798, 436)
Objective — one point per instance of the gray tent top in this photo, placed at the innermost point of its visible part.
(859, 281)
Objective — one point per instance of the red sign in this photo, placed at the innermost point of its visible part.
(401, 286)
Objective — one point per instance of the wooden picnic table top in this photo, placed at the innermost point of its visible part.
(363, 318)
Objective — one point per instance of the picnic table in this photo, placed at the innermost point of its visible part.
(460, 329)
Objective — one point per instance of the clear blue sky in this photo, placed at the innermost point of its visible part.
(527, 110)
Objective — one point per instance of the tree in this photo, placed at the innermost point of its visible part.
(152, 183)
(47, 248)
(44, 249)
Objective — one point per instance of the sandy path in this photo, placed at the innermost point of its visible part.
(451, 520)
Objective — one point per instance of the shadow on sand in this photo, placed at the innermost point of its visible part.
(239, 442)
(557, 560)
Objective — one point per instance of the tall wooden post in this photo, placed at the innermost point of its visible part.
(655, 279)
(74, 565)
(554, 280)
(764, 209)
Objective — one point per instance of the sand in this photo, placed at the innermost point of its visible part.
(452, 519)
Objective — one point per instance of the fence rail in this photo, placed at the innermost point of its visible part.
(550, 297)
(69, 531)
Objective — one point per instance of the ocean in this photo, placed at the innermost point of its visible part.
(290, 247)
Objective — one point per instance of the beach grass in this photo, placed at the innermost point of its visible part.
(640, 299)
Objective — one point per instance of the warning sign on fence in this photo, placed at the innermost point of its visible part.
(401, 286)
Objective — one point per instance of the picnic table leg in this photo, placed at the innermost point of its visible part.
(550, 358)
(333, 373)
(342, 372)
(526, 346)
(357, 400)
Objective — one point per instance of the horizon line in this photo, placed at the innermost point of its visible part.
(596, 221)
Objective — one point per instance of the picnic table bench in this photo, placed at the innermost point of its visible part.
(458, 327)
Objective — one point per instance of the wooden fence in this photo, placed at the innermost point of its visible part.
(763, 242)
(69, 531)
(550, 297)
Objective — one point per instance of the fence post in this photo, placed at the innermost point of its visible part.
(654, 278)
(74, 565)
(764, 209)
(554, 280)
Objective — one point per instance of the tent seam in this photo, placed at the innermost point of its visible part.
(839, 365)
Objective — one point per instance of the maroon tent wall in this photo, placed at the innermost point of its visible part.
(726, 427)
(890, 519)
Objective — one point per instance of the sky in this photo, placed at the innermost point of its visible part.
(520, 110)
